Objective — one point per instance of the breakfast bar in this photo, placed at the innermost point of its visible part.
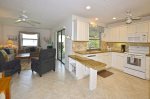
(82, 66)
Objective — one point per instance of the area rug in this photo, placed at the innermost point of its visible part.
(25, 65)
(104, 73)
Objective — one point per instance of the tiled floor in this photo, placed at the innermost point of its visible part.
(61, 85)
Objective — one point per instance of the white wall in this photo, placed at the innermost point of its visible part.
(67, 24)
(1, 35)
(13, 30)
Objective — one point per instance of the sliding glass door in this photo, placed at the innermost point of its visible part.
(61, 45)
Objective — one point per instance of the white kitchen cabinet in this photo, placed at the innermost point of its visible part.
(77, 69)
(111, 34)
(101, 57)
(123, 34)
(115, 34)
(80, 30)
(106, 35)
(118, 60)
(106, 58)
(131, 28)
(142, 27)
(148, 68)
(149, 33)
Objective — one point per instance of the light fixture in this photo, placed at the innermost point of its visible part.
(114, 18)
(88, 7)
(96, 19)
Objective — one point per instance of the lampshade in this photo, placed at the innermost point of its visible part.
(10, 42)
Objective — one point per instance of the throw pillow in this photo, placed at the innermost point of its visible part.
(7, 50)
(32, 49)
(5, 55)
(11, 51)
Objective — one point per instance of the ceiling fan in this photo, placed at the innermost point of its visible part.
(24, 18)
(130, 18)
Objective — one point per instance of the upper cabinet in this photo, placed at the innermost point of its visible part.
(149, 33)
(142, 27)
(131, 28)
(115, 34)
(80, 30)
(123, 34)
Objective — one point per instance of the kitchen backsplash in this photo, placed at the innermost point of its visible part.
(82, 45)
(79, 46)
(117, 45)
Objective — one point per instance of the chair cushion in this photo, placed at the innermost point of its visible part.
(5, 55)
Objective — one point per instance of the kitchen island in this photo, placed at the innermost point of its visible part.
(82, 66)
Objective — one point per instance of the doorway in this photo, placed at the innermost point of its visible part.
(61, 46)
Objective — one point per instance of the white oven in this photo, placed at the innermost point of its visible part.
(135, 62)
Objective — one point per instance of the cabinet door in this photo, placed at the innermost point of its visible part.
(142, 27)
(149, 33)
(114, 34)
(123, 34)
(106, 36)
(148, 68)
(82, 31)
(131, 28)
(118, 64)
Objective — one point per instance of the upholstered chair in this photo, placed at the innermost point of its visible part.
(45, 62)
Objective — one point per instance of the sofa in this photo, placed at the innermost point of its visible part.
(45, 63)
(9, 67)
(34, 51)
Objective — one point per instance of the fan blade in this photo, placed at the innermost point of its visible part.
(32, 21)
(29, 23)
(136, 18)
(18, 21)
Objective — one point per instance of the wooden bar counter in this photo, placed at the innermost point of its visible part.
(5, 86)
(80, 69)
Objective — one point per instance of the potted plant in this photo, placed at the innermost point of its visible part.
(49, 42)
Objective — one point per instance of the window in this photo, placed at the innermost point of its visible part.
(29, 39)
(95, 37)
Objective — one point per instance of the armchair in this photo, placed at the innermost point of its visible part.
(10, 67)
(45, 63)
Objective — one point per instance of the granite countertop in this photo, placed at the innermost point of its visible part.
(99, 51)
(95, 52)
(89, 62)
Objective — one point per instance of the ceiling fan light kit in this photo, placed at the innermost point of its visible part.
(24, 18)
(130, 18)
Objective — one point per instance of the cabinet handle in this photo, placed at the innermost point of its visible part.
(91, 56)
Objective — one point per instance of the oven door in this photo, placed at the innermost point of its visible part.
(136, 61)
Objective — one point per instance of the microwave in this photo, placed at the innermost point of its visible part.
(138, 37)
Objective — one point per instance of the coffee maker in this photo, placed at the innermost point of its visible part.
(123, 48)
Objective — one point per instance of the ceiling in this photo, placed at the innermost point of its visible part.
(52, 12)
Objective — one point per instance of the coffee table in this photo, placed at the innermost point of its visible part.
(24, 56)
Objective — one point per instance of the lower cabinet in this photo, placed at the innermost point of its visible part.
(77, 69)
(118, 60)
(148, 68)
(111, 59)
(101, 57)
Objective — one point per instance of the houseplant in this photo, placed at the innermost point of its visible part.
(49, 42)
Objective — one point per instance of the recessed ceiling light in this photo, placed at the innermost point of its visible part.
(114, 18)
(96, 19)
(88, 7)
